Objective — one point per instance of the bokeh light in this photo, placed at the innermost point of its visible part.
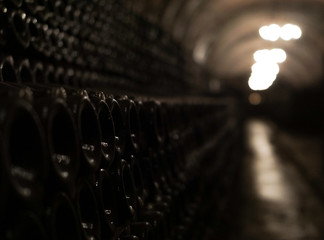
(265, 69)
(287, 32)
(276, 55)
(255, 98)
(290, 31)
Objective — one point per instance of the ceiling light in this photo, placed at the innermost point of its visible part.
(259, 83)
(261, 55)
(265, 68)
(290, 31)
(273, 32)
(278, 55)
(270, 32)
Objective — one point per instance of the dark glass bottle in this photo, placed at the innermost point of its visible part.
(18, 30)
(24, 151)
(88, 132)
(107, 128)
(88, 212)
(62, 219)
(25, 226)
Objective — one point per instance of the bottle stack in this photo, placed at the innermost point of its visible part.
(101, 135)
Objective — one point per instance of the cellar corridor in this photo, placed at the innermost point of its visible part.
(137, 120)
(280, 200)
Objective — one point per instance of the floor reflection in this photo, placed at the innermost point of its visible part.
(269, 178)
(279, 205)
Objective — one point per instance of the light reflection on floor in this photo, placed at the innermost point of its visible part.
(268, 175)
(279, 203)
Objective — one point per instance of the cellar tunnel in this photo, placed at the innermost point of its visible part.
(161, 120)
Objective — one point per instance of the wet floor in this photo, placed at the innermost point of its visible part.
(279, 203)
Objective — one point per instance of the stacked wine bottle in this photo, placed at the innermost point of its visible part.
(101, 134)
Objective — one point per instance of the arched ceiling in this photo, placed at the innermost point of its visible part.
(222, 35)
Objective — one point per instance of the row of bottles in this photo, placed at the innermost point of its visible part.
(86, 164)
(105, 37)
